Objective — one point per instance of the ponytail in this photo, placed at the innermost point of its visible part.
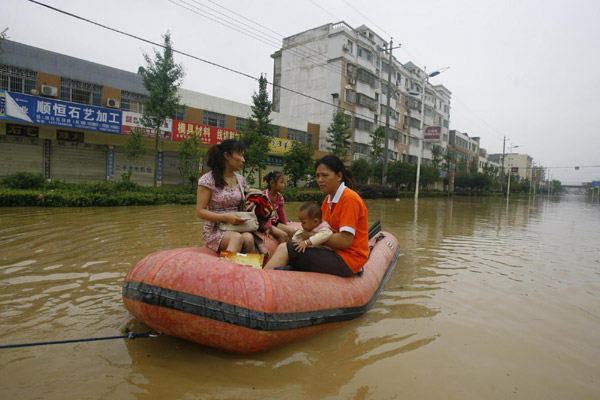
(272, 176)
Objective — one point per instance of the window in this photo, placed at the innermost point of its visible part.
(299, 136)
(179, 114)
(213, 119)
(240, 122)
(350, 96)
(80, 92)
(16, 79)
(133, 102)
(350, 46)
(363, 124)
(361, 148)
(275, 130)
(364, 53)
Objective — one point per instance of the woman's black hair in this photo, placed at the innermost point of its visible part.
(216, 158)
(336, 165)
(272, 176)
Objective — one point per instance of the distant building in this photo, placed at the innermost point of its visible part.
(336, 64)
(69, 118)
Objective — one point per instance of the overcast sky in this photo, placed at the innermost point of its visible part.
(524, 70)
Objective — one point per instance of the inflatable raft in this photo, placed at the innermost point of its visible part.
(193, 294)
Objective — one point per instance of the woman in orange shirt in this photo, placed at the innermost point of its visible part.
(346, 213)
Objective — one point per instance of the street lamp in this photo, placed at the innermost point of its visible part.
(424, 82)
(509, 174)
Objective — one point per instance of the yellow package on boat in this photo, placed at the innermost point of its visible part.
(251, 260)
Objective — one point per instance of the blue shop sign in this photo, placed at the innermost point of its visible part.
(40, 110)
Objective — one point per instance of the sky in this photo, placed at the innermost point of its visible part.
(521, 72)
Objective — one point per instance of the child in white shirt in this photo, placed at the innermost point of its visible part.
(314, 231)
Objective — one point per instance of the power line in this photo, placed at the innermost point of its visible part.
(365, 17)
(190, 56)
(260, 36)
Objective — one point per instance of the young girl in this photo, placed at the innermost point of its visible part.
(277, 225)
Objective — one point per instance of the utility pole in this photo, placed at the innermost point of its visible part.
(502, 174)
(387, 118)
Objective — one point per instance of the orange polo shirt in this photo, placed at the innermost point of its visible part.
(349, 214)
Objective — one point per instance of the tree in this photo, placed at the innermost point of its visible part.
(190, 154)
(377, 142)
(339, 134)
(402, 173)
(161, 78)
(437, 156)
(362, 170)
(429, 175)
(134, 149)
(298, 162)
(258, 132)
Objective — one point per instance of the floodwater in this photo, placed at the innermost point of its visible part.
(486, 302)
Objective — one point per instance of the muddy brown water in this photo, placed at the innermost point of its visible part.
(486, 301)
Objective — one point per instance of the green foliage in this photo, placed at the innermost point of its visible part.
(301, 194)
(161, 78)
(339, 134)
(190, 155)
(377, 143)
(437, 156)
(298, 162)
(429, 175)
(257, 132)
(402, 173)
(134, 149)
(23, 180)
(376, 192)
(362, 170)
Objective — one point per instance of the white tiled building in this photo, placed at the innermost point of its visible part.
(337, 64)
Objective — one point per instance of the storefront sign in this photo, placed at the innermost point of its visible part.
(69, 136)
(432, 134)
(133, 120)
(208, 135)
(275, 160)
(281, 145)
(39, 110)
(22, 130)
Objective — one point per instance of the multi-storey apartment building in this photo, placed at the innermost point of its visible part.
(336, 65)
(69, 119)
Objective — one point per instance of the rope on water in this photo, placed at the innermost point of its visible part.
(128, 335)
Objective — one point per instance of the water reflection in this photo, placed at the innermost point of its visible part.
(509, 289)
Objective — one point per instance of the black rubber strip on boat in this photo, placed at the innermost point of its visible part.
(244, 317)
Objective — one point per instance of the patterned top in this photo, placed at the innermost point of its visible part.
(221, 201)
(278, 214)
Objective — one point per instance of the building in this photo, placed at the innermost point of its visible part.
(69, 118)
(335, 64)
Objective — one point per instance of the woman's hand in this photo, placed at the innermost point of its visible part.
(248, 206)
(234, 219)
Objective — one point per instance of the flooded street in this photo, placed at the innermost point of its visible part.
(486, 301)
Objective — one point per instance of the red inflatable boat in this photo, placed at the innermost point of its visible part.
(193, 294)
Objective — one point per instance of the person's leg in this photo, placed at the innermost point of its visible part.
(318, 259)
(279, 259)
(278, 234)
(287, 229)
(248, 243)
(232, 241)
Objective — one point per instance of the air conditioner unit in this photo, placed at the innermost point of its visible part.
(49, 91)
(353, 81)
(112, 103)
(346, 48)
